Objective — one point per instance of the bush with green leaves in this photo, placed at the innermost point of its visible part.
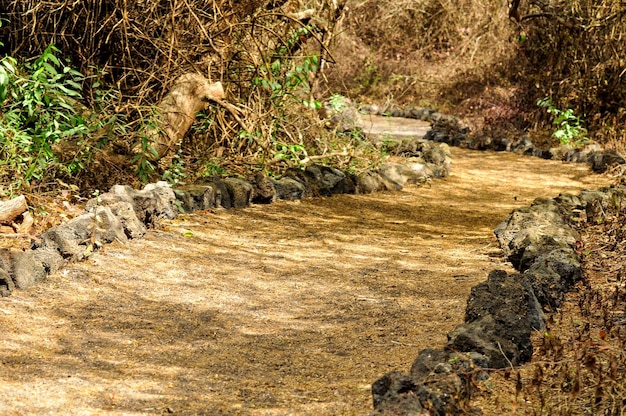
(568, 127)
(41, 112)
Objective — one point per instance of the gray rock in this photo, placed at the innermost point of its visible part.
(220, 190)
(528, 231)
(120, 201)
(552, 275)
(6, 283)
(393, 176)
(396, 389)
(601, 161)
(338, 181)
(326, 181)
(156, 201)
(419, 113)
(426, 362)
(322, 180)
(447, 129)
(368, 182)
(398, 394)
(289, 189)
(27, 270)
(50, 258)
(369, 109)
(196, 197)
(394, 112)
(72, 239)
(500, 316)
(241, 192)
(484, 336)
(264, 189)
(418, 173)
(504, 293)
(568, 203)
(438, 159)
(524, 147)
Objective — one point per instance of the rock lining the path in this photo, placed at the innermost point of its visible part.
(501, 312)
(448, 129)
(124, 213)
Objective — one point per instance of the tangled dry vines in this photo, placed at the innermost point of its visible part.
(258, 49)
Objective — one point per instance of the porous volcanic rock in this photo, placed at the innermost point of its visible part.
(118, 215)
(501, 312)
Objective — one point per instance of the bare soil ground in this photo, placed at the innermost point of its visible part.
(289, 309)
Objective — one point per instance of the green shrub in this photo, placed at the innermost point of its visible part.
(568, 127)
(42, 110)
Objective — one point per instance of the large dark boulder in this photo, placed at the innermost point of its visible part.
(438, 382)
(240, 192)
(322, 180)
(220, 190)
(530, 232)
(501, 313)
(552, 275)
(196, 197)
(601, 161)
(264, 189)
(289, 188)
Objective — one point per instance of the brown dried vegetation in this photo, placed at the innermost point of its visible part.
(267, 54)
(490, 61)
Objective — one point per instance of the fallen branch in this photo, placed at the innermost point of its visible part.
(10, 210)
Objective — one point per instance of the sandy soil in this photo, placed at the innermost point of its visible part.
(289, 309)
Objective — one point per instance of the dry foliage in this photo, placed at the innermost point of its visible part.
(416, 50)
(258, 49)
(490, 60)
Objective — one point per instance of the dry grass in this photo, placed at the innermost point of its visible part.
(415, 50)
(471, 59)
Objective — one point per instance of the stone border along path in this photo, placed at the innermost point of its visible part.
(501, 312)
(124, 213)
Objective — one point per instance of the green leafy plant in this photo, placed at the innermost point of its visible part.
(337, 102)
(295, 154)
(568, 126)
(212, 168)
(42, 115)
(146, 154)
(175, 173)
(289, 83)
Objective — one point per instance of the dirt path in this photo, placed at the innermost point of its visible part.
(293, 308)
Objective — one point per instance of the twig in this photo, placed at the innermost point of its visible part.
(504, 355)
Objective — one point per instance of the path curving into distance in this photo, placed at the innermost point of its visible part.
(290, 308)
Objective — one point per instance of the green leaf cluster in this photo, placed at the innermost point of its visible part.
(41, 107)
(568, 127)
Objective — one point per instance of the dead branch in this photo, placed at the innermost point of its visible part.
(10, 210)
